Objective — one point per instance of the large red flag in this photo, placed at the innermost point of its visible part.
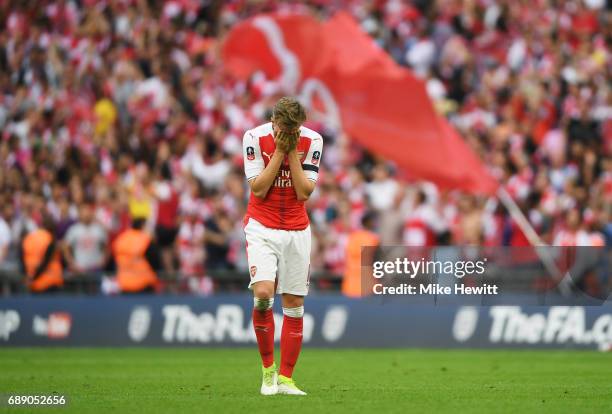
(377, 102)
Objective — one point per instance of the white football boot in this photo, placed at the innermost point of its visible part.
(288, 387)
(269, 382)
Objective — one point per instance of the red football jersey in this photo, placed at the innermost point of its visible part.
(280, 209)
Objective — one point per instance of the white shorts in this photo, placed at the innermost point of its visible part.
(279, 255)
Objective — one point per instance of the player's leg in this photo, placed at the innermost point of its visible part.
(293, 281)
(291, 342)
(263, 268)
(263, 320)
(263, 324)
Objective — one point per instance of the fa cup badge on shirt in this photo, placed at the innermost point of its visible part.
(250, 152)
(315, 157)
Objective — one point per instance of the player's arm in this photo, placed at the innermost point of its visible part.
(305, 175)
(259, 176)
(303, 186)
(262, 183)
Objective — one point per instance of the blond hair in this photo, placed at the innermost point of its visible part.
(288, 115)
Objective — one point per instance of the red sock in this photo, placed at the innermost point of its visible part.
(291, 344)
(263, 323)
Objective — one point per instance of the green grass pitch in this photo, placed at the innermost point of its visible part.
(342, 380)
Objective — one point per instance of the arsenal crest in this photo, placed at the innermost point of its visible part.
(253, 270)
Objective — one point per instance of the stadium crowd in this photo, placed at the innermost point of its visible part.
(117, 110)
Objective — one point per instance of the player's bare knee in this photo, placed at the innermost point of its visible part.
(292, 301)
(263, 290)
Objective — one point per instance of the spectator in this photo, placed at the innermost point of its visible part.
(190, 245)
(352, 282)
(383, 189)
(167, 217)
(423, 223)
(85, 243)
(65, 217)
(218, 235)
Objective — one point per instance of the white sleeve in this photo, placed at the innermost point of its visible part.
(312, 162)
(253, 161)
